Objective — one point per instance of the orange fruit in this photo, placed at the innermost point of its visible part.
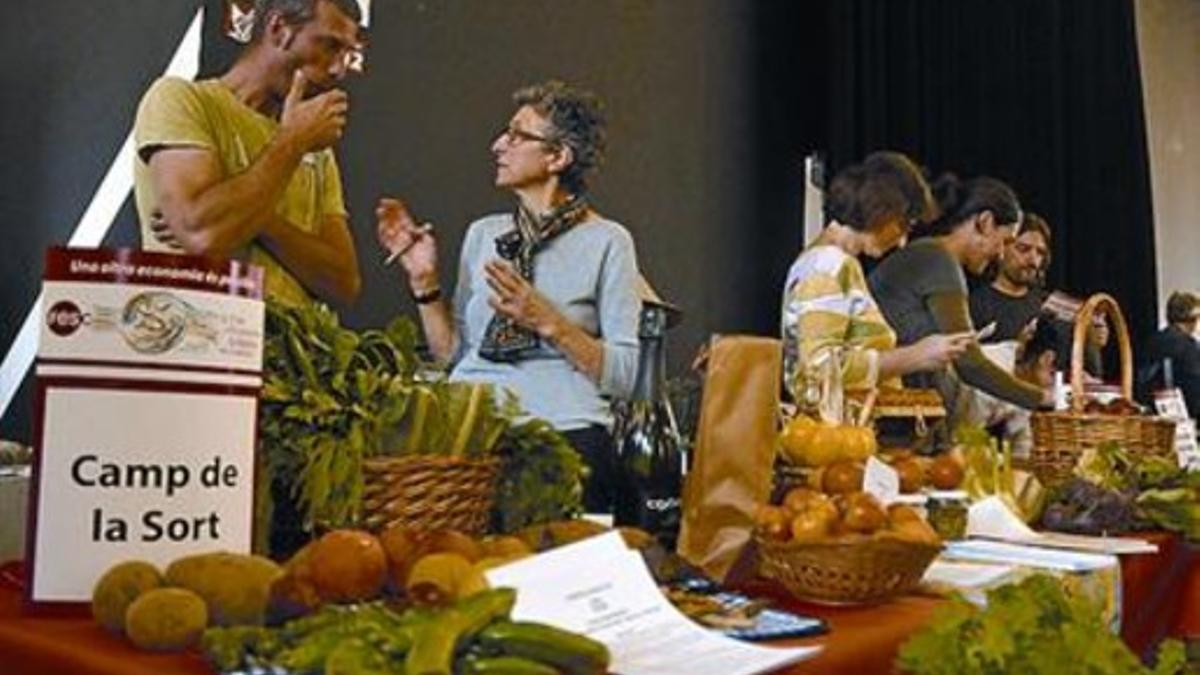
(901, 513)
(842, 477)
(912, 475)
(915, 530)
(863, 514)
(809, 526)
(504, 546)
(795, 437)
(348, 566)
(945, 473)
(772, 522)
(858, 442)
(797, 499)
(453, 541)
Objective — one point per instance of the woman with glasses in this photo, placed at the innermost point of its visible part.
(922, 290)
(545, 302)
(869, 210)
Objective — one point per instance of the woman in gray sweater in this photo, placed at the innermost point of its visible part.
(921, 288)
(545, 302)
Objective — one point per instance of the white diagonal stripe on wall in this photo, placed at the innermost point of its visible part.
(95, 221)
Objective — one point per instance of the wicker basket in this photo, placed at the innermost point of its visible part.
(904, 402)
(1060, 437)
(429, 493)
(850, 571)
(907, 418)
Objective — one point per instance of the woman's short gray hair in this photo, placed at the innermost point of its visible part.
(577, 118)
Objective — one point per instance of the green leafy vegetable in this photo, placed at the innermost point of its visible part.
(541, 479)
(333, 397)
(1030, 627)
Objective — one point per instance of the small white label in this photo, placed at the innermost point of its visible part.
(881, 481)
(1170, 403)
(1060, 392)
(1185, 445)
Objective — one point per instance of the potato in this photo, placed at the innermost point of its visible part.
(118, 588)
(166, 619)
(235, 587)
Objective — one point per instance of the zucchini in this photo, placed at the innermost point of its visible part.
(433, 651)
(506, 665)
(570, 652)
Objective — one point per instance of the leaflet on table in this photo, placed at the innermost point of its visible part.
(965, 575)
(981, 550)
(600, 588)
(990, 518)
(972, 580)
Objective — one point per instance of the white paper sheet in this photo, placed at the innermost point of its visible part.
(600, 588)
(990, 518)
(965, 575)
(1001, 552)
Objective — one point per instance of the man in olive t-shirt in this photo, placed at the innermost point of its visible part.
(242, 166)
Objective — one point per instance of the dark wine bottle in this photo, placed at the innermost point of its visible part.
(649, 447)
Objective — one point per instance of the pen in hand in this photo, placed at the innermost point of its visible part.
(425, 228)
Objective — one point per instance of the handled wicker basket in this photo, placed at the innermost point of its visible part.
(846, 571)
(1060, 437)
(429, 492)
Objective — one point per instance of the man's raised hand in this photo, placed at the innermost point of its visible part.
(315, 123)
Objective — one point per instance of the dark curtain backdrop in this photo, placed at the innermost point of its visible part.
(1044, 94)
(713, 106)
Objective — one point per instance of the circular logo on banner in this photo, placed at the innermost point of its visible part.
(64, 318)
(154, 322)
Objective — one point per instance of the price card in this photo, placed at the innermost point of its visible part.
(882, 481)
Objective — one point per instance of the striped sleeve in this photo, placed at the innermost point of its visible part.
(820, 311)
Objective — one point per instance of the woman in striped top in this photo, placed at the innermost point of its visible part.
(869, 210)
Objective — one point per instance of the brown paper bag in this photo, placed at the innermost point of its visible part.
(734, 453)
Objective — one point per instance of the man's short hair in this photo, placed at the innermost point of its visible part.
(296, 12)
(1182, 307)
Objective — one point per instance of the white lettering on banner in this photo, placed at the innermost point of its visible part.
(146, 475)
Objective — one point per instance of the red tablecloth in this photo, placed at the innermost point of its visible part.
(1160, 593)
(1161, 597)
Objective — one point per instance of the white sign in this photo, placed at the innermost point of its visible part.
(602, 589)
(881, 481)
(1186, 448)
(149, 369)
(139, 475)
(1170, 404)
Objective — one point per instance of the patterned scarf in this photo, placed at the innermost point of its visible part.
(505, 340)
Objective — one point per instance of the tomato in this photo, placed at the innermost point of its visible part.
(946, 473)
(912, 475)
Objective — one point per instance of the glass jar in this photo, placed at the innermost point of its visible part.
(948, 516)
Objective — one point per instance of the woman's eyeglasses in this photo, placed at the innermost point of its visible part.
(514, 136)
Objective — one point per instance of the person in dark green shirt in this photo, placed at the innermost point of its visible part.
(1014, 298)
(921, 289)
